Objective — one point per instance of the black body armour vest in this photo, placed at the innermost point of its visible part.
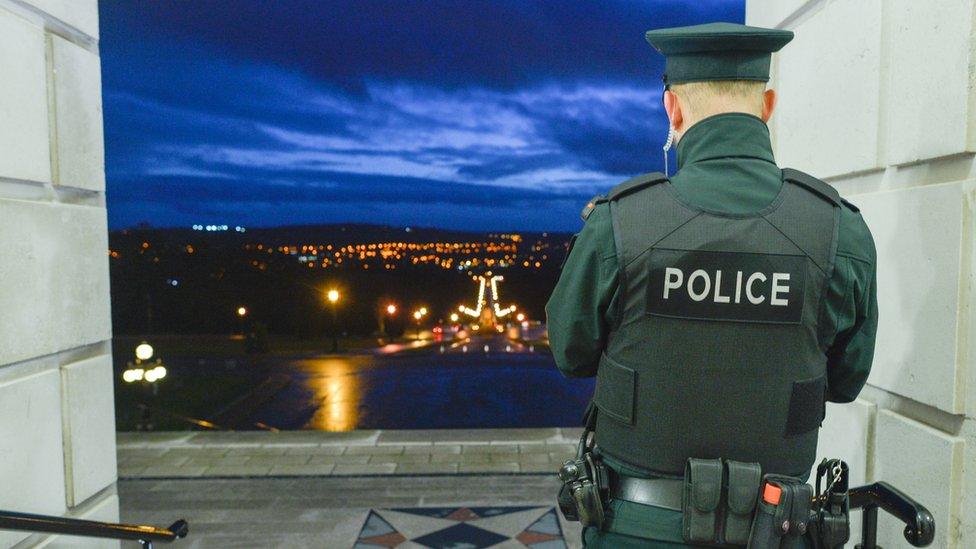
(717, 351)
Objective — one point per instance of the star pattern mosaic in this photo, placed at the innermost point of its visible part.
(461, 528)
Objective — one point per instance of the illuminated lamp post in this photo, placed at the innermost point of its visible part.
(418, 315)
(333, 298)
(390, 311)
(242, 315)
(146, 372)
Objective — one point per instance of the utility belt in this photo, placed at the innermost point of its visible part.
(724, 503)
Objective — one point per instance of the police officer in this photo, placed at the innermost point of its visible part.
(718, 308)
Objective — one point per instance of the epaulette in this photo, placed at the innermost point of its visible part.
(814, 185)
(636, 183)
(591, 205)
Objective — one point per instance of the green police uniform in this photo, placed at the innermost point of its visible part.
(726, 166)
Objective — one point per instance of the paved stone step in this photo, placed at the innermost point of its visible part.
(355, 453)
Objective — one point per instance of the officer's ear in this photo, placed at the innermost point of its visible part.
(769, 103)
(673, 107)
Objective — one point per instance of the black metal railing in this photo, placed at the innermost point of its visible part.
(145, 535)
(919, 523)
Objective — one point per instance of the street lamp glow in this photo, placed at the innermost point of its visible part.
(520, 317)
(454, 317)
(417, 315)
(423, 311)
(333, 296)
(391, 309)
(133, 375)
(242, 311)
(154, 375)
(144, 351)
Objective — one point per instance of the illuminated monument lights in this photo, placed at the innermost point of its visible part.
(488, 311)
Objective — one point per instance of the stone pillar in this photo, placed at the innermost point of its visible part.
(878, 97)
(57, 422)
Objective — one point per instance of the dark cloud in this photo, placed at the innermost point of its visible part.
(393, 111)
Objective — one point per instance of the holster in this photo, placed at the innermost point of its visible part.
(586, 480)
(831, 520)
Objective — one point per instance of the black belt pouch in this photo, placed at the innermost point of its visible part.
(700, 500)
(799, 516)
(767, 527)
(742, 492)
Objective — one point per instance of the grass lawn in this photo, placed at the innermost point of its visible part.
(208, 390)
(199, 397)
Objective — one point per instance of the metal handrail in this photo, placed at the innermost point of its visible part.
(146, 535)
(919, 523)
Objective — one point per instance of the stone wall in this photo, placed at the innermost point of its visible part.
(57, 424)
(879, 98)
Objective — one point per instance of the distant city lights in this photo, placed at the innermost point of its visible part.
(218, 228)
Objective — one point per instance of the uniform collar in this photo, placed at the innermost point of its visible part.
(726, 135)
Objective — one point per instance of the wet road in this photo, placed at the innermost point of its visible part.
(485, 382)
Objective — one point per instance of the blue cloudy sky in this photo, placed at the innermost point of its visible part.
(463, 114)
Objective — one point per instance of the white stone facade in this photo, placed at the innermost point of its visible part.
(57, 422)
(878, 97)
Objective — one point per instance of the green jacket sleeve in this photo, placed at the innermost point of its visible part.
(852, 305)
(577, 314)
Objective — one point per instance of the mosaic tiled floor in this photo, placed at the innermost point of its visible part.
(461, 528)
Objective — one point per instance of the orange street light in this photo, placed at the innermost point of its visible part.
(332, 296)
(520, 317)
(417, 315)
(391, 309)
(242, 311)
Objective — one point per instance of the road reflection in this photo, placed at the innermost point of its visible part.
(336, 387)
(485, 382)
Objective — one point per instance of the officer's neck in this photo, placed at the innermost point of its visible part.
(731, 134)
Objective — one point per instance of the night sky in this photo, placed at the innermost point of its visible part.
(457, 114)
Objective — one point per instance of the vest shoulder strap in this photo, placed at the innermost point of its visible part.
(635, 184)
(850, 206)
(812, 184)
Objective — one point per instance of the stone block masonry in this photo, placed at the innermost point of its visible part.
(878, 98)
(57, 423)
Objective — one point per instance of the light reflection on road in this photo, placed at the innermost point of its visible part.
(485, 382)
(335, 384)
